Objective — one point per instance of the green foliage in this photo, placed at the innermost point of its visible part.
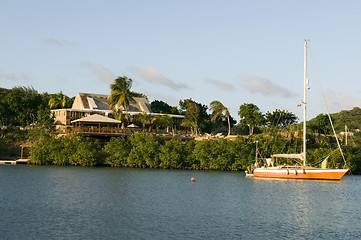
(217, 109)
(316, 156)
(196, 116)
(280, 118)
(13, 134)
(321, 124)
(144, 152)
(192, 117)
(22, 106)
(3, 145)
(352, 153)
(59, 100)
(163, 107)
(44, 150)
(171, 154)
(121, 116)
(46, 128)
(144, 118)
(164, 121)
(72, 150)
(139, 95)
(349, 118)
(243, 149)
(251, 115)
(86, 154)
(353, 158)
(118, 150)
(214, 154)
(121, 95)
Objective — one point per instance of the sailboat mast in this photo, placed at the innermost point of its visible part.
(305, 103)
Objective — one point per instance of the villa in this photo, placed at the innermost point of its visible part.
(89, 104)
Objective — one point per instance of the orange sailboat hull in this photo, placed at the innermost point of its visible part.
(300, 173)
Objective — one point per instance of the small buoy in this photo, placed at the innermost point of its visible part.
(193, 179)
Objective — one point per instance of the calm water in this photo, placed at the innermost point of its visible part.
(44, 202)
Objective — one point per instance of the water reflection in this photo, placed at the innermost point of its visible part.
(97, 203)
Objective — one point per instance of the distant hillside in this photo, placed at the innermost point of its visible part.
(349, 118)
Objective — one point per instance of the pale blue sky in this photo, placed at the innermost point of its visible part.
(232, 51)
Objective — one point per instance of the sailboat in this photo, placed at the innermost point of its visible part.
(298, 171)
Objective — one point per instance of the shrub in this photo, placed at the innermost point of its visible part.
(117, 150)
(172, 154)
(144, 152)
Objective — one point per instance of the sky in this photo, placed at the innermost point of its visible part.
(235, 52)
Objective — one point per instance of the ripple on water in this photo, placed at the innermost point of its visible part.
(41, 202)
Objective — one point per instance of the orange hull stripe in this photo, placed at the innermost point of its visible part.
(327, 175)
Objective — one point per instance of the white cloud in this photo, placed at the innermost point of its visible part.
(104, 75)
(153, 76)
(222, 85)
(13, 76)
(263, 86)
(170, 99)
(337, 101)
(56, 42)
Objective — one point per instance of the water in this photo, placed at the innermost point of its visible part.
(46, 202)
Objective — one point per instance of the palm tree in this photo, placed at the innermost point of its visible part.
(217, 109)
(191, 117)
(189, 123)
(120, 93)
(56, 100)
(144, 118)
(168, 121)
(119, 115)
(165, 121)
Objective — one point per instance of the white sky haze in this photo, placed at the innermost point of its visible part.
(232, 51)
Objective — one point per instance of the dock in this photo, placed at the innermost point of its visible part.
(7, 162)
(14, 162)
(23, 161)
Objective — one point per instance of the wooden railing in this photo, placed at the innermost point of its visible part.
(126, 131)
(84, 129)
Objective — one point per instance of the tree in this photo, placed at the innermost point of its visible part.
(251, 115)
(321, 124)
(144, 151)
(6, 112)
(20, 106)
(217, 110)
(117, 150)
(120, 116)
(144, 118)
(172, 154)
(195, 114)
(188, 123)
(191, 118)
(280, 118)
(163, 107)
(163, 121)
(59, 100)
(121, 95)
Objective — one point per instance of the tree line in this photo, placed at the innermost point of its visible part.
(24, 106)
(149, 151)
